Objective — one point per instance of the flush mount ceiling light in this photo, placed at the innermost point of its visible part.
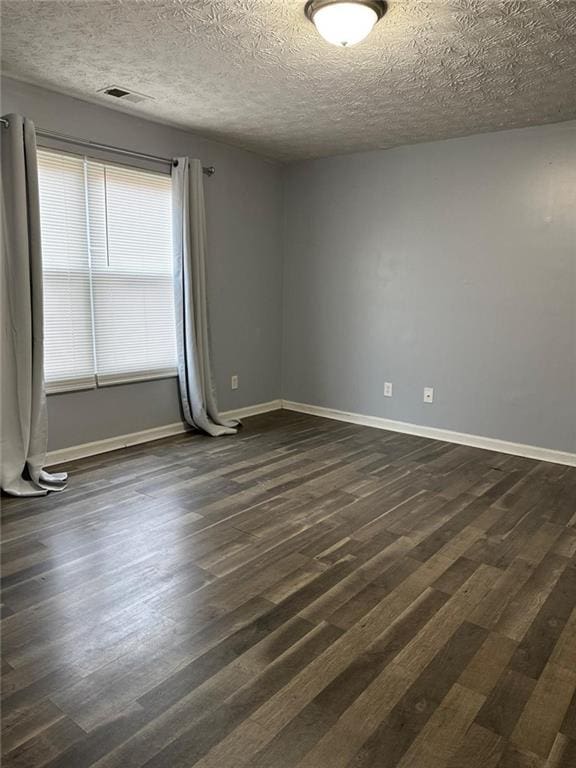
(344, 22)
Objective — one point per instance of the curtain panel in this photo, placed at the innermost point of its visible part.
(23, 416)
(197, 390)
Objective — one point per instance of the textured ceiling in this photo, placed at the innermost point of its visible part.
(255, 73)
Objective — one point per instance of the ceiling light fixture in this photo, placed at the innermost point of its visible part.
(344, 22)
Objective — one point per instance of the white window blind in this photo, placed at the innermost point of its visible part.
(68, 343)
(131, 248)
(123, 326)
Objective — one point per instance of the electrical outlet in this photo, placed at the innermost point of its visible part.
(387, 389)
(428, 394)
(234, 382)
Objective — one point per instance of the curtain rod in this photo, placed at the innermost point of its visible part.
(209, 171)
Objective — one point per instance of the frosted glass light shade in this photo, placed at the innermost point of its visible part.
(345, 24)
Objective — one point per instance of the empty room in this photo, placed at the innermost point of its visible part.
(288, 383)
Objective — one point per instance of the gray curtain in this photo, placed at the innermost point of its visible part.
(23, 422)
(197, 391)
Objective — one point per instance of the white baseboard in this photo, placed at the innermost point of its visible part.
(446, 435)
(113, 443)
(147, 435)
(253, 410)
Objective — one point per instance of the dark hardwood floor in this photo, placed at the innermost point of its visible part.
(307, 594)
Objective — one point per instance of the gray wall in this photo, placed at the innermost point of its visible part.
(244, 204)
(450, 265)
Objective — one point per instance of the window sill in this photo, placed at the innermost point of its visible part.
(114, 379)
(111, 380)
(70, 385)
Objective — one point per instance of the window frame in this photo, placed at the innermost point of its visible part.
(98, 380)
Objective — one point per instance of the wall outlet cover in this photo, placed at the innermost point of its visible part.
(387, 389)
(428, 394)
(234, 382)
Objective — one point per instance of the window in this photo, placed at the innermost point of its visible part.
(107, 263)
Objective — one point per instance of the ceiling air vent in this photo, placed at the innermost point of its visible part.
(117, 92)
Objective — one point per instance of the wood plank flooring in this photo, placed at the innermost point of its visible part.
(307, 594)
